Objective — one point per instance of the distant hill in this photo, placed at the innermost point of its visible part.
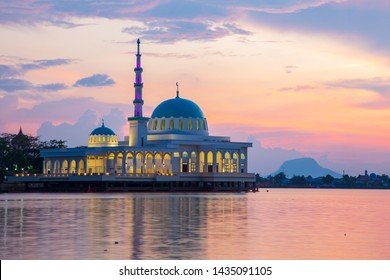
(305, 167)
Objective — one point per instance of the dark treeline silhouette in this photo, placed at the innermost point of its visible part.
(361, 181)
(19, 153)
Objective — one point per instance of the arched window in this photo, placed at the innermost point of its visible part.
(198, 124)
(167, 165)
(162, 126)
(227, 167)
(193, 162)
(184, 162)
(201, 162)
(190, 124)
(181, 124)
(158, 162)
(219, 162)
(210, 162)
(235, 162)
(139, 168)
(171, 124)
(155, 125)
(149, 163)
(72, 166)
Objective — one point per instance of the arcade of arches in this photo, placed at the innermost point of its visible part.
(149, 163)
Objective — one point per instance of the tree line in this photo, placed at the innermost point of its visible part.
(361, 181)
(19, 153)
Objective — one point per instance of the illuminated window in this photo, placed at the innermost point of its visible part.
(176, 154)
(197, 124)
(171, 124)
(162, 126)
(155, 125)
(190, 124)
(181, 124)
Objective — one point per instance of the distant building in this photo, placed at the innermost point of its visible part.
(20, 141)
(173, 145)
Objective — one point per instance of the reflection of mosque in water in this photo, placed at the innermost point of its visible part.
(171, 150)
(138, 227)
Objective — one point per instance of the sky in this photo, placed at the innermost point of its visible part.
(298, 78)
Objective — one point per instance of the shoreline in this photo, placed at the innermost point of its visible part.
(21, 188)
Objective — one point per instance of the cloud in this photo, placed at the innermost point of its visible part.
(267, 160)
(166, 20)
(289, 68)
(77, 134)
(61, 12)
(169, 55)
(11, 85)
(283, 7)
(70, 109)
(44, 63)
(20, 69)
(96, 80)
(51, 87)
(366, 27)
(8, 71)
(298, 88)
(10, 80)
(166, 31)
(379, 85)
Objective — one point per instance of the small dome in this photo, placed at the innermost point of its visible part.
(102, 131)
(103, 137)
(177, 108)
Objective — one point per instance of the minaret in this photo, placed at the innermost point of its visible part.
(138, 102)
(138, 124)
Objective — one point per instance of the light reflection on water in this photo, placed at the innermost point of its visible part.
(279, 224)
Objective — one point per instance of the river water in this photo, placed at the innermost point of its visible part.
(271, 224)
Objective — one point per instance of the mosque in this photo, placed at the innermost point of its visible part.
(171, 150)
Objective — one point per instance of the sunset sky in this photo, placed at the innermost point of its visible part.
(308, 78)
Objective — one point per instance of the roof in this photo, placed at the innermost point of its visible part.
(103, 131)
(176, 108)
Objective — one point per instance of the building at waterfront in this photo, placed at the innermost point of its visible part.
(172, 145)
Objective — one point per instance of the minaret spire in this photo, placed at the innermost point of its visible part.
(138, 85)
(177, 90)
(138, 131)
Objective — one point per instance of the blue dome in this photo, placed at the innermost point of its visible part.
(102, 131)
(176, 108)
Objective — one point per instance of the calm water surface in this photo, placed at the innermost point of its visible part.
(278, 224)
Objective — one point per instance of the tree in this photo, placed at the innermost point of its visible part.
(20, 153)
(280, 177)
(328, 179)
(298, 180)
